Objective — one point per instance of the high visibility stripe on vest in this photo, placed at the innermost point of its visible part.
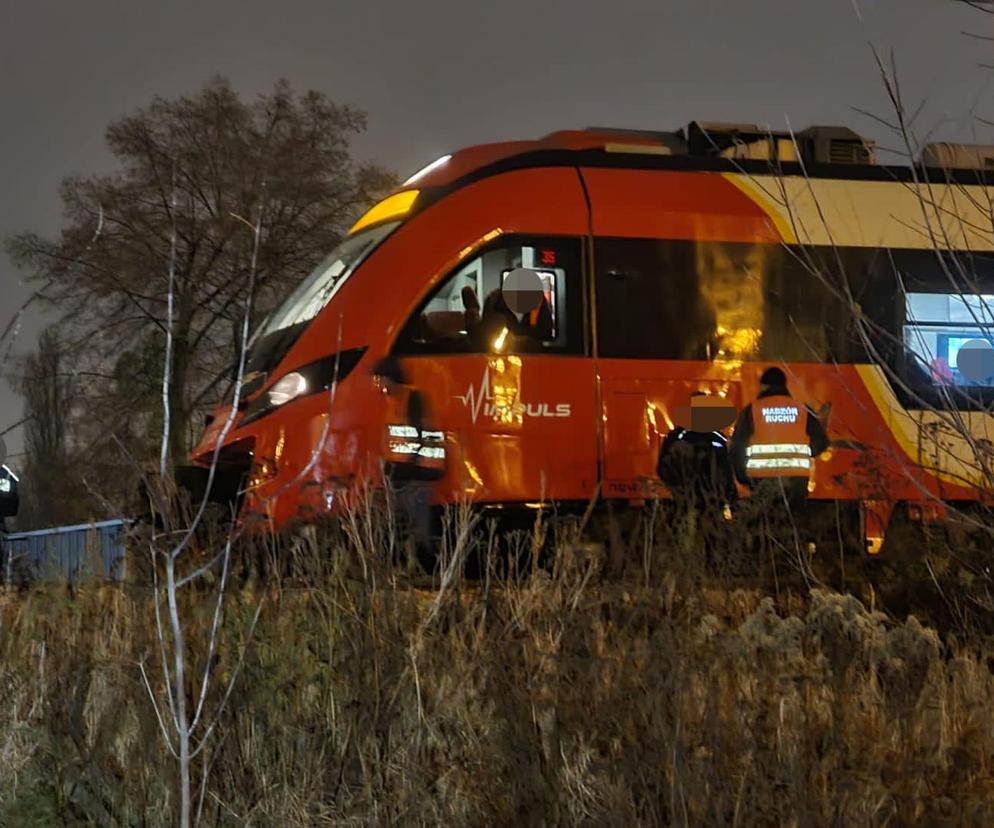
(778, 456)
(401, 431)
(431, 455)
(403, 445)
(778, 463)
(778, 448)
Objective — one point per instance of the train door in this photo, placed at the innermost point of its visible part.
(674, 312)
(515, 396)
(653, 355)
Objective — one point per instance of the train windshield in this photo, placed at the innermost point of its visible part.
(274, 338)
(314, 293)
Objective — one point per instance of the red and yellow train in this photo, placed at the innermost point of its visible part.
(673, 263)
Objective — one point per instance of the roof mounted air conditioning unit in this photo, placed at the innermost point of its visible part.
(958, 156)
(837, 145)
(741, 141)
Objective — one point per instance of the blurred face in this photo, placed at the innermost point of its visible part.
(704, 413)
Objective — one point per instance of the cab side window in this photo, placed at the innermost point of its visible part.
(467, 313)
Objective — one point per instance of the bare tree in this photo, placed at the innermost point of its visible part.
(158, 306)
(172, 257)
(183, 700)
(53, 491)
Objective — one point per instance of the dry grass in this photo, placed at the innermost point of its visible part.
(644, 696)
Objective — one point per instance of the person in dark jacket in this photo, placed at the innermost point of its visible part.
(695, 466)
(776, 440)
(410, 463)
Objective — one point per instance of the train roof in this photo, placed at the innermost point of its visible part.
(817, 152)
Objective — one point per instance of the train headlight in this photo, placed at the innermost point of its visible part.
(287, 388)
(309, 379)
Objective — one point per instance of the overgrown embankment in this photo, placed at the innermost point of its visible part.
(566, 698)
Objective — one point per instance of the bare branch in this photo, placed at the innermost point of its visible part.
(168, 361)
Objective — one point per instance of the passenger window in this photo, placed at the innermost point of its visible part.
(467, 313)
(935, 317)
(937, 327)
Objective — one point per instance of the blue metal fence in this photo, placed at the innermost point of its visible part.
(66, 552)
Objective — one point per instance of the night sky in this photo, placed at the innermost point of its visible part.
(440, 74)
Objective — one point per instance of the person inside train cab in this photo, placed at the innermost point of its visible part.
(513, 331)
(538, 321)
(497, 322)
(775, 441)
(940, 371)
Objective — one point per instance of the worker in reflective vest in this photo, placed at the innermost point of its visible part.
(413, 454)
(410, 449)
(776, 440)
